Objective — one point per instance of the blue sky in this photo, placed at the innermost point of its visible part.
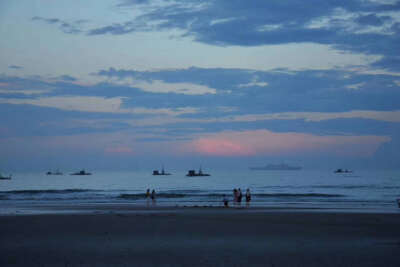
(134, 84)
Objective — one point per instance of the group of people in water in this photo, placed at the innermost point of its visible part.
(237, 197)
(151, 195)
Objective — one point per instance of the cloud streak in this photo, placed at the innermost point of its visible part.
(159, 86)
(94, 104)
(74, 27)
(15, 67)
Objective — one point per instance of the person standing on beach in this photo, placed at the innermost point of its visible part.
(235, 196)
(153, 196)
(148, 193)
(240, 195)
(147, 196)
(226, 202)
(248, 197)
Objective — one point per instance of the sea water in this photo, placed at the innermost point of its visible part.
(365, 190)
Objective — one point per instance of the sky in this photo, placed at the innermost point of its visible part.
(134, 84)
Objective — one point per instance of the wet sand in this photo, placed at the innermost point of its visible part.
(200, 237)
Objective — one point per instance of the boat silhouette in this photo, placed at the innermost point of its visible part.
(5, 177)
(342, 171)
(157, 172)
(193, 173)
(277, 167)
(57, 172)
(82, 172)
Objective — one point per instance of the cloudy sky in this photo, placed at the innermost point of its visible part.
(134, 84)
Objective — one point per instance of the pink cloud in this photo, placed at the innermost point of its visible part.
(263, 142)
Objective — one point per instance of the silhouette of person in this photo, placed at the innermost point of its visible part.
(226, 202)
(148, 193)
(153, 196)
(239, 199)
(248, 197)
(147, 196)
(235, 196)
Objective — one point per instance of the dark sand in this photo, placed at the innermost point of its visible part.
(201, 237)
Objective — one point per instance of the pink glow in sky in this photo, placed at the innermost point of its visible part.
(223, 144)
(264, 142)
(119, 150)
(222, 147)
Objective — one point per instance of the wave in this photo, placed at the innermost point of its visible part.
(132, 196)
(181, 191)
(343, 186)
(372, 186)
(159, 195)
(169, 194)
(47, 191)
(298, 195)
(282, 195)
(220, 195)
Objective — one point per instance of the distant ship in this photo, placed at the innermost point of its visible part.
(157, 172)
(82, 172)
(192, 173)
(277, 167)
(342, 171)
(5, 177)
(57, 172)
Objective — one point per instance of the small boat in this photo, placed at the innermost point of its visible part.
(192, 173)
(5, 177)
(276, 167)
(157, 172)
(82, 172)
(342, 171)
(57, 172)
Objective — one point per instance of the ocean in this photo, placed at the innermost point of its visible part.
(374, 191)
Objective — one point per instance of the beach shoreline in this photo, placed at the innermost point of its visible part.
(42, 208)
(179, 236)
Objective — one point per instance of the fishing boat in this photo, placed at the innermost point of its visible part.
(193, 173)
(276, 167)
(57, 172)
(157, 172)
(342, 171)
(5, 177)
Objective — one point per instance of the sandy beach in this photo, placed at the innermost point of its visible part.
(200, 237)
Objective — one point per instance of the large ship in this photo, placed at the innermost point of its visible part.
(82, 172)
(276, 167)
